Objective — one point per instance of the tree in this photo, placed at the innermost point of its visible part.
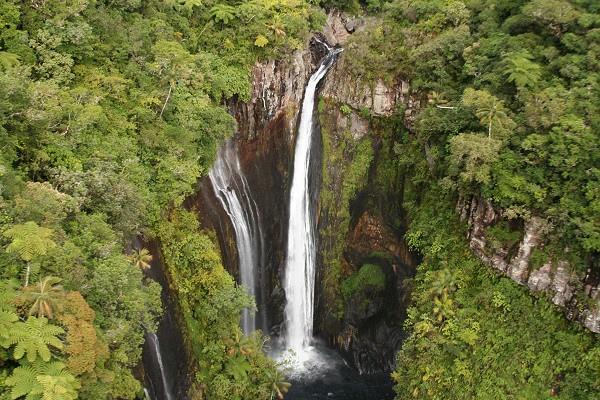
(471, 158)
(493, 112)
(29, 240)
(34, 337)
(275, 382)
(437, 99)
(41, 380)
(443, 307)
(47, 297)
(240, 344)
(554, 14)
(222, 12)
(521, 70)
(140, 258)
(444, 281)
(83, 346)
(8, 314)
(277, 27)
(488, 108)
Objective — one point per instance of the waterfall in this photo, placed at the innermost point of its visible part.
(300, 258)
(231, 188)
(155, 348)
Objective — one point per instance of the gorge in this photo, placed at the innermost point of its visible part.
(172, 221)
(256, 169)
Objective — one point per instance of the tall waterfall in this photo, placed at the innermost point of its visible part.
(231, 188)
(155, 348)
(300, 259)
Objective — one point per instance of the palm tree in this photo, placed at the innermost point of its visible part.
(437, 99)
(140, 258)
(275, 383)
(444, 307)
(46, 297)
(29, 240)
(277, 27)
(444, 281)
(492, 112)
(241, 345)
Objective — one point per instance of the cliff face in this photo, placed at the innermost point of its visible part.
(355, 229)
(578, 294)
(264, 139)
(370, 330)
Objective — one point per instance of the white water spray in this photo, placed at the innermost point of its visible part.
(231, 188)
(155, 349)
(301, 249)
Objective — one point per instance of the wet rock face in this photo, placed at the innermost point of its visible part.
(557, 277)
(265, 136)
(372, 325)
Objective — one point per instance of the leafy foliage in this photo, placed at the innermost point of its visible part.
(46, 297)
(35, 337)
(516, 126)
(231, 365)
(109, 114)
(43, 380)
(29, 240)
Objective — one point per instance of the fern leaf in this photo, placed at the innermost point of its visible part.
(34, 337)
(29, 240)
(22, 380)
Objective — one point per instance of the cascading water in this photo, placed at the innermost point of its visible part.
(155, 348)
(301, 249)
(231, 188)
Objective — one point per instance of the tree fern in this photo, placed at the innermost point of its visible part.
(34, 337)
(7, 320)
(42, 380)
(22, 380)
(29, 240)
(8, 315)
(7, 295)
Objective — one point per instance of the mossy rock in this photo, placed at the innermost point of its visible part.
(369, 278)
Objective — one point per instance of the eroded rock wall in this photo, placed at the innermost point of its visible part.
(578, 293)
(365, 321)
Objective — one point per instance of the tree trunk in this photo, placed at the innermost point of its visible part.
(166, 101)
(490, 130)
(27, 274)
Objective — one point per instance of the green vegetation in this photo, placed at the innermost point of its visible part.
(345, 169)
(231, 366)
(509, 107)
(110, 111)
(477, 334)
(368, 278)
(509, 114)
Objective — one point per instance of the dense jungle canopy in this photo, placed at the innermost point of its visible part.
(111, 110)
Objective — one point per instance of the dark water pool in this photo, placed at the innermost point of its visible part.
(321, 374)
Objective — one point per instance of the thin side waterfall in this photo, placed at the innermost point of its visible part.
(231, 188)
(301, 249)
(155, 348)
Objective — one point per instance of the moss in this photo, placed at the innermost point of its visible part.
(502, 236)
(345, 169)
(369, 278)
